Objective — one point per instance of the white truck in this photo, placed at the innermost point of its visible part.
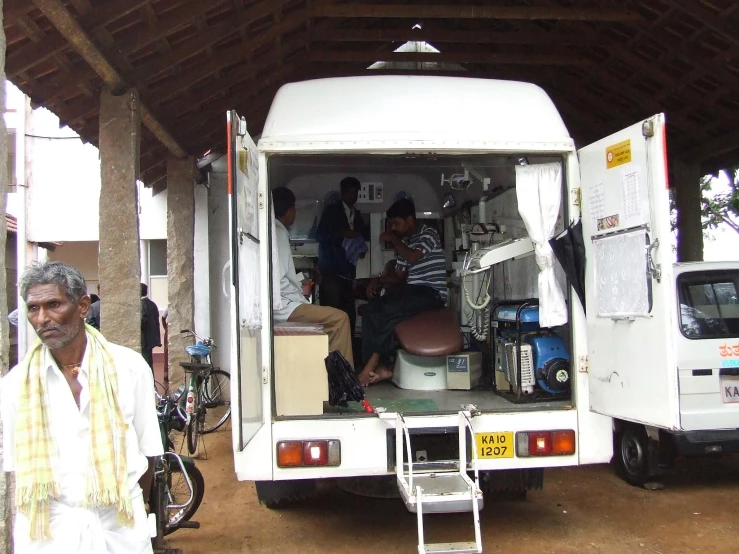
(640, 366)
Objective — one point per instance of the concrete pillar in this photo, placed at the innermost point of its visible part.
(5, 488)
(119, 261)
(688, 203)
(180, 262)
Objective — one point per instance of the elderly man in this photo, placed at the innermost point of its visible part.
(295, 308)
(80, 428)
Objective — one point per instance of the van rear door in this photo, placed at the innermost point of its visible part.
(629, 288)
(247, 235)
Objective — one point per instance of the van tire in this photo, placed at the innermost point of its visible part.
(278, 495)
(632, 454)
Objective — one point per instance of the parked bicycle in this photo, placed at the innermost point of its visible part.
(178, 485)
(207, 403)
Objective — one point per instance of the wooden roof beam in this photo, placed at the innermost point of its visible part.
(370, 57)
(212, 35)
(709, 18)
(437, 36)
(23, 58)
(68, 26)
(403, 11)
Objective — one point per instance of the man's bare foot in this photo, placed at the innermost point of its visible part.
(365, 377)
(381, 373)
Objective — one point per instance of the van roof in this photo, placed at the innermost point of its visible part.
(397, 108)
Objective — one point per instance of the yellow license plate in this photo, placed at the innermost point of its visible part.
(494, 445)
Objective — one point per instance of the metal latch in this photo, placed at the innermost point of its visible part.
(583, 368)
(655, 270)
(242, 127)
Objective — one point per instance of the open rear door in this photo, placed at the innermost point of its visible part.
(247, 414)
(629, 286)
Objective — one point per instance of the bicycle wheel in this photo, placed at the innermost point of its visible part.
(178, 493)
(191, 433)
(215, 399)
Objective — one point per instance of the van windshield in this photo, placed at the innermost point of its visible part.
(709, 304)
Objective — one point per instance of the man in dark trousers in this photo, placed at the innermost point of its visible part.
(417, 283)
(150, 334)
(340, 222)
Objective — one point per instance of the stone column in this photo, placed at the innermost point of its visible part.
(688, 203)
(119, 262)
(6, 492)
(180, 262)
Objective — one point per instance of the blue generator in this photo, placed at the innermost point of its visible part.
(544, 359)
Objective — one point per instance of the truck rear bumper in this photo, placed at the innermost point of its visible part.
(700, 443)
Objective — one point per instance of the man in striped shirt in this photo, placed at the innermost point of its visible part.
(416, 284)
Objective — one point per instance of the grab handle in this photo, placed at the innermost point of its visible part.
(223, 279)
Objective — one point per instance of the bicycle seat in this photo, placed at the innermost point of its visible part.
(199, 350)
(195, 366)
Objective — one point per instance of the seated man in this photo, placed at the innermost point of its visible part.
(295, 307)
(417, 284)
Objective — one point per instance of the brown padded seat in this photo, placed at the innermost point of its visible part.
(433, 333)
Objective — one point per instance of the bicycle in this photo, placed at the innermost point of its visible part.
(178, 486)
(206, 404)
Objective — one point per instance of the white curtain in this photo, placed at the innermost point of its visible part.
(539, 194)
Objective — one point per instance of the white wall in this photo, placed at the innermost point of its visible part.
(219, 255)
(63, 177)
(314, 186)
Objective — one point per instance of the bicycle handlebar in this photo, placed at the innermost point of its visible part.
(207, 341)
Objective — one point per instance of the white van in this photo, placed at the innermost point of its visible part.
(491, 165)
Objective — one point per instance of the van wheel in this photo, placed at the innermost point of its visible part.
(632, 454)
(278, 495)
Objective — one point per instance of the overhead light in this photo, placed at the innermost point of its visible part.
(522, 161)
(449, 201)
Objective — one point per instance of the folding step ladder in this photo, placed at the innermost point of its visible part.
(440, 492)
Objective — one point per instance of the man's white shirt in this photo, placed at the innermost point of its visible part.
(75, 529)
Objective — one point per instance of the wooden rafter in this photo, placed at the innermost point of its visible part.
(416, 11)
(60, 17)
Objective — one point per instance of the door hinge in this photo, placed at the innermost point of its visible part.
(583, 367)
(261, 200)
(655, 270)
(647, 128)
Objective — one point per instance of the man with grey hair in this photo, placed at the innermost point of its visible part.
(80, 428)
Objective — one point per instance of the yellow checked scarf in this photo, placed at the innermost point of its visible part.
(36, 453)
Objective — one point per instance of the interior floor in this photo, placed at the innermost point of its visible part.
(387, 395)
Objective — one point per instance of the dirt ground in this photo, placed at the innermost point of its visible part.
(580, 510)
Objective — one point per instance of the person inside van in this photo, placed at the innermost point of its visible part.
(340, 236)
(295, 307)
(417, 284)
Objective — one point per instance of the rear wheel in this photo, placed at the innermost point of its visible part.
(632, 454)
(215, 400)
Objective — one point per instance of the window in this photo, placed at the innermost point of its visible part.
(158, 258)
(709, 304)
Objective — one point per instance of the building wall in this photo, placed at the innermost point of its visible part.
(218, 245)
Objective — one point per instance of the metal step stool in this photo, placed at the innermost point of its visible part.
(441, 492)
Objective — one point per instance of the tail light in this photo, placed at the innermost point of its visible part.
(545, 443)
(308, 453)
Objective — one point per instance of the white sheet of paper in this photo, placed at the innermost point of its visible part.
(631, 190)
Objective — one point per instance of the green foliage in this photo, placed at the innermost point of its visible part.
(717, 209)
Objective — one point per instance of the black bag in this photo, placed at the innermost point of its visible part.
(343, 385)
